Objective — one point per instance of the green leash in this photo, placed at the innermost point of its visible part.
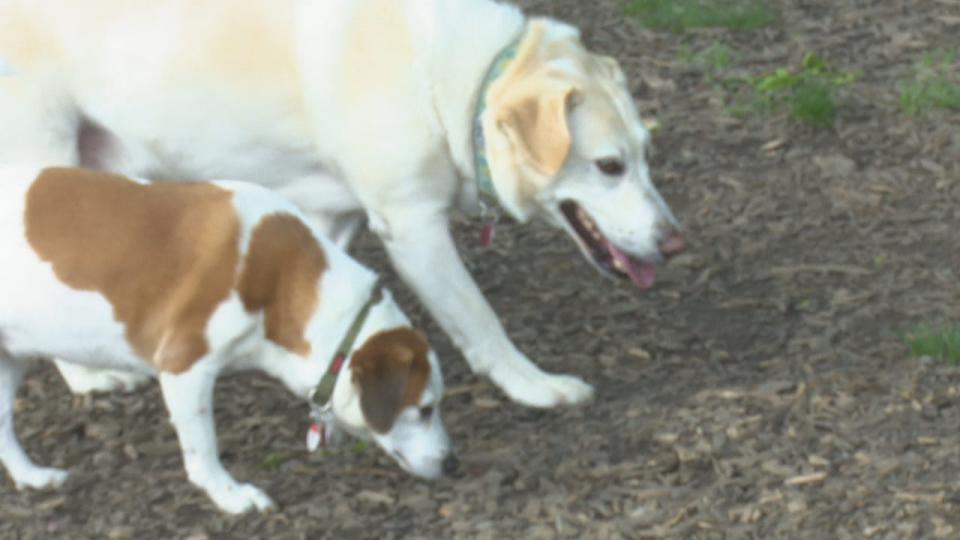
(324, 390)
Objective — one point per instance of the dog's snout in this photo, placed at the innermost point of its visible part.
(673, 244)
(450, 464)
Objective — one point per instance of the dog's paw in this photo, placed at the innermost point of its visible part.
(240, 498)
(40, 478)
(536, 388)
(84, 380)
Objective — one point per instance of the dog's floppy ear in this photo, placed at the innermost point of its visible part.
(390, 372)
(535, 123)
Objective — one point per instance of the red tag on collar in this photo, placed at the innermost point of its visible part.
(337, 364)
(487, 232)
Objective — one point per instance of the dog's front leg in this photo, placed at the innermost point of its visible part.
(423, 252)
(189, 399)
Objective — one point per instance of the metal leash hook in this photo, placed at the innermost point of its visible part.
(323, 430)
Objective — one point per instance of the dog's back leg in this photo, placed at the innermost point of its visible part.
(83, 380)
(23, 471)
(41, 125)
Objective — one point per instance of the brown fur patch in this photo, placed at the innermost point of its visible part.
(391, 371)
(281, 275)
(163, 255)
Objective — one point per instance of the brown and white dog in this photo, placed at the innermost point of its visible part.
(383, 110)
(185, 280)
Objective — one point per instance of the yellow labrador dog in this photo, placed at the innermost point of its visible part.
(391, 111)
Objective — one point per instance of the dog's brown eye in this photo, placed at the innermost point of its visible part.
(611, 166)
(426, 412)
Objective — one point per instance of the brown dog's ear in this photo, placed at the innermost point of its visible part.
(390, 372)
(535, 123)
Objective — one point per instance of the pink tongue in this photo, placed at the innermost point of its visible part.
(642, 274)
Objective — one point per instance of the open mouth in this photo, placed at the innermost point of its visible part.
(606, 256)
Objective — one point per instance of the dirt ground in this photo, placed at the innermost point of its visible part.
(761, 390)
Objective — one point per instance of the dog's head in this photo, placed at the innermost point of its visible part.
(392, 394)
(565, 141)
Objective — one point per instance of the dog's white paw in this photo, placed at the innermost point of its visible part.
(530, 386)
(40, 478)
(83, 380)
(240, 498)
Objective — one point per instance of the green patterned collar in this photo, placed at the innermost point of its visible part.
(485, 189)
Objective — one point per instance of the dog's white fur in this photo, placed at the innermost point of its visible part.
(353, 109)
(39, 315)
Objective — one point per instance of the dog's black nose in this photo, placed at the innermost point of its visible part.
(450, 464)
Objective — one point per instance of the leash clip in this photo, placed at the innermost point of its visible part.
(323, 430)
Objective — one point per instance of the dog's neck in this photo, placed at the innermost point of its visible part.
(475, 31)
(324, 389)
(343, 294)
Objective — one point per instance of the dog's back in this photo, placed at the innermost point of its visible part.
(120, 273)
(33, 305)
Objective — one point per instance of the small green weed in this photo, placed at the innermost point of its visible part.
(680, 15)
(812, 102)
(809, 93)
(935, 84)
(274, 460)
(360, 447)
(942, 343)
(713, 60)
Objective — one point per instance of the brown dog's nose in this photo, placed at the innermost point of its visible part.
(450, 464)
(674, 244)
